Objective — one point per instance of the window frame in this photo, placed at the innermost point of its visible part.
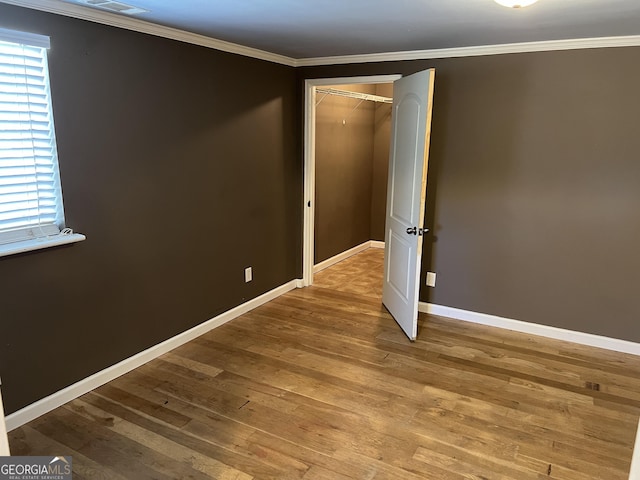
(34, 236)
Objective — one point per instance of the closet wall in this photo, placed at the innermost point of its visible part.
(351, 170)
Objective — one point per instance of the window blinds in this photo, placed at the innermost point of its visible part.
(30, 191)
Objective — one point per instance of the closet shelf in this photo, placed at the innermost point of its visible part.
(356, 95)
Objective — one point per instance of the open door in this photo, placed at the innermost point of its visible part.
(406, 195)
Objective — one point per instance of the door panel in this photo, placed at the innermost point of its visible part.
(403, 173)
(406, 195)
(399, 250)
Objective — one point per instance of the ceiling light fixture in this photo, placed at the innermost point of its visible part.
(516, 3)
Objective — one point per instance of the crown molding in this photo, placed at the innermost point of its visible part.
(476, 51)
(135, 24)
(60, 7)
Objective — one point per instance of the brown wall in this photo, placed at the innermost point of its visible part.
(534, 182)
(181, 165)
(344, 155)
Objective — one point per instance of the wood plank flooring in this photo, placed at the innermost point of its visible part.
(321, 384)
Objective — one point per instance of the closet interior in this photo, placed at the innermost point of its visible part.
(353, 127)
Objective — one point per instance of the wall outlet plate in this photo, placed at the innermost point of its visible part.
(431, 279)
(248, 275)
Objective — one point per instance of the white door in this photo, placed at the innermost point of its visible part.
(406, 194)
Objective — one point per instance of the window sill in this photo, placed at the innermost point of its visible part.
(39, 243)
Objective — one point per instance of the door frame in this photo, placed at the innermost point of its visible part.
(309, 179)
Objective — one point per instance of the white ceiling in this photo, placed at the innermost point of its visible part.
(320, 28)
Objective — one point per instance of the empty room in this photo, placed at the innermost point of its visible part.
(187, 289)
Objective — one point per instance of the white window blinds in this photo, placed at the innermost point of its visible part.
(30, 191)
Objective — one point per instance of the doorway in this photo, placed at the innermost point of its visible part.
(310, 145)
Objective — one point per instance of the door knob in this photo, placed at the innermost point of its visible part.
(412, 230)
(423, 231)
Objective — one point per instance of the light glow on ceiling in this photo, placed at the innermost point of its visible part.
(516, 3)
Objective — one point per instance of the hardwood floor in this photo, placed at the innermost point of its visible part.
(321, 384)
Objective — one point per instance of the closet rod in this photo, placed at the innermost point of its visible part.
(357, 95)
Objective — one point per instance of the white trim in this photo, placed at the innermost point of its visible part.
(24, 38)
(476, 51)
(634, 474)
(364, 79)
(341, 256)
(309, 181)
(4, 441)
(137, 25)
(581, 338)
(377, 244)
(71, 392)
(39, 243)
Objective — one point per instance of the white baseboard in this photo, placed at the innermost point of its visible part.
(377, 244)
(341, 256)
(582, 338)
(30, 412)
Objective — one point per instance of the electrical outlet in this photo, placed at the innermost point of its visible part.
(431, 279)
(248, 275)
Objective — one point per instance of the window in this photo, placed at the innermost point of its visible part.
(31, 210)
